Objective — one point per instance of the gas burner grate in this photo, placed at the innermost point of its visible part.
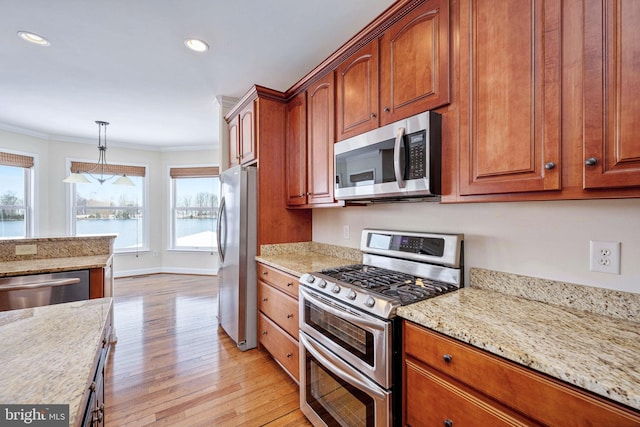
(405, 287)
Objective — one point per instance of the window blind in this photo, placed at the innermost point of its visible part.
(110, 169)
(17, 160)
(195, 172)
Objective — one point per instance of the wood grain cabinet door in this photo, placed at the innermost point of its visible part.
(296, 150)
(247, 144)
(357, 92)
(611, 94)
(234, 140)
(320, 139)
(510, 97)
(414, 62)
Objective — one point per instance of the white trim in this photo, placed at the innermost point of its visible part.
(31, 193)
(170, 270)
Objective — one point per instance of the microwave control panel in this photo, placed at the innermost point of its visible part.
(417, 155)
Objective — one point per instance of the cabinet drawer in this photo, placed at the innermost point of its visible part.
(281, 346)
(446, 401)
(279, 307)
(287, 282)
(533, 394)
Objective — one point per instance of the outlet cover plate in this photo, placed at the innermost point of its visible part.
(604, 256)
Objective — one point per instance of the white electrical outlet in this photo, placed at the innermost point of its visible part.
(345, 231)
(604, 256)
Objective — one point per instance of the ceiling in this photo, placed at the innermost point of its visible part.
(125, 62)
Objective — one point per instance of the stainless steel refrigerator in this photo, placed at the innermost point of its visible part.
(237, 244)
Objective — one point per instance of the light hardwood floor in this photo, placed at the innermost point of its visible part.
(173, 365)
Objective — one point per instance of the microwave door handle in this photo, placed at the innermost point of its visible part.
(396, 158)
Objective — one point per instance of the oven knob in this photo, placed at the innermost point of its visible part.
(336, 289)
(369, 302)
(322, 284)
(310, 279)
(351, 294)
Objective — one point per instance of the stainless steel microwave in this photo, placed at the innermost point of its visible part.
(395, 162)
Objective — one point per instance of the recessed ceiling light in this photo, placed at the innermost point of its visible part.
(196, 45)
(33, 38)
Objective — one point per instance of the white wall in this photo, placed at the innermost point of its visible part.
(52, 198)
(542, 239)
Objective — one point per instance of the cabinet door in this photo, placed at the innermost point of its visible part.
(234, 140)
(510, 76)
(247, 144)
(296, 153)
(611, 94)
(357, 92)
(320, 138)
(414, 62)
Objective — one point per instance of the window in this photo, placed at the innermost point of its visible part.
(16, 219)
(194, 207)
(112, 209)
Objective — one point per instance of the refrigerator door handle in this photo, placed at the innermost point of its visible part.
(222, 216)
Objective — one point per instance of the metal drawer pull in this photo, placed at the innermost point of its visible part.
(447, 358)
(288, 355)
(289, 316)
(591, 161)
(448, 423)
(264, 332)
(289, 284)
(265, 299)
(264, 273)
(549, 166)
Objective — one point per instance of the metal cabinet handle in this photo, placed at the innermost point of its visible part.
(289, 284)
(448, 423)
(549, 165)
(591, 161)
(447, 358)
(289, 355)
(264, 273)
(289, 316)
(265, 299)
(47, 283)
(387, 109)
(373, 115)
(264, 332)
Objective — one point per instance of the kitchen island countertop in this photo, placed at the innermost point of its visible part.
(52, 265)
(49, 353)
(593, 351)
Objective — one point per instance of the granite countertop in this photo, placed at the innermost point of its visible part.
(52, 265)
(307, 257)
(49, 353)
(593, 351)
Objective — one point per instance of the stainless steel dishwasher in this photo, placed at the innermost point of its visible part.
(43, 289)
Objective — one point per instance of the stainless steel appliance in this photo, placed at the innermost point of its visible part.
(43, 289)
(237, 244)
(398, 161)
(350, 337)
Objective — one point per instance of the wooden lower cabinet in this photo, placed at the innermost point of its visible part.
(469, 386)
(278, 317)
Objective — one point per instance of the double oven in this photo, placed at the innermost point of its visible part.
(350, 337)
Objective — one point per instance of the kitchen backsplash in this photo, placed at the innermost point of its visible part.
(352, 254)
(613, 303)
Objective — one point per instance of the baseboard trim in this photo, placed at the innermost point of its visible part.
(146, 271)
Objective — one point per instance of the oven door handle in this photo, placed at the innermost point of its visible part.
(342, 369)
(396, 158)
(358, 320)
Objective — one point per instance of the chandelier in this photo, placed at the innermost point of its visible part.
(101, 171)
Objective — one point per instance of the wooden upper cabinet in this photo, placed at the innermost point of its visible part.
(296, 150)
(234, 140)
(414, 62)
(611, 94)
(357, 92)
(247, 141)
(320, 139)
(510, 97)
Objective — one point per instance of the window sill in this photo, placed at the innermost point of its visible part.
(196, 250)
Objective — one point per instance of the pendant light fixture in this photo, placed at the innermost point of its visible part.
(101, 171)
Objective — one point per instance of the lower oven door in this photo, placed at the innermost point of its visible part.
(333, 393)
(364, 341)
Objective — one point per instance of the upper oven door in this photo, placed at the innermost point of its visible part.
(362, 340)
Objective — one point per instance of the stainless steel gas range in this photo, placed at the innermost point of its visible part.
(350, 338)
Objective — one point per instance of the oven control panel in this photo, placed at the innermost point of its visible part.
(441, 249)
